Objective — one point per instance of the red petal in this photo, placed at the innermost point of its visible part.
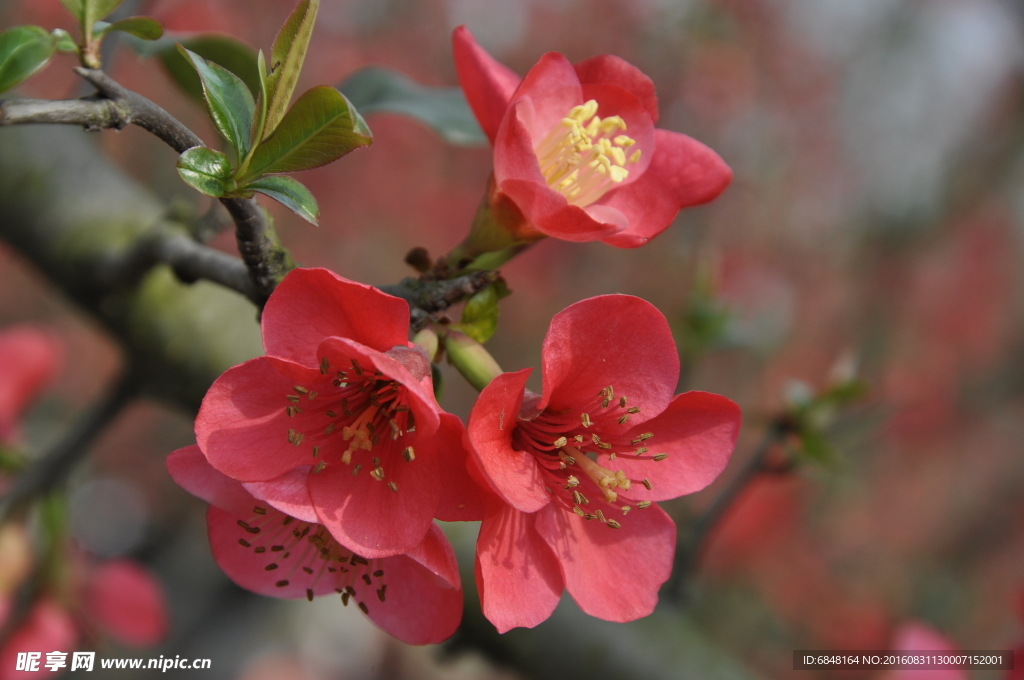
(29, 359)
(698, 431)
(487, 84)
(365, 515)
(312, 304)
(128, 603)
(517, 576)
(423, 603)
(287, 493)
(553, 88)
(190, 469)
(612, 70)
(613, 574)
(683, 173)
(462, 498)
(515, 475)
(47, 627)
(616, 340)
(242, 426)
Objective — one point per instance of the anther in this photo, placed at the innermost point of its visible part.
(381, 591)
(600, 516)
(647, 483)
(571, 482)
(295, 437)
(294, 398)
(408, 454)
(377, 473)
(642, 450)
(309, 594)
(594, 438)
(331, 414)
(632, 409)
(293, 411)
(312, 395)
(623, 419)
(622, 402)
(578, 438)
(316, 451)
(319, 467)
(613, 524)
(244, 543)
(661, 456)
(585, 419)
(643, 505)
(259, 511)
(393, 486)
(270, 567)
(579, 498)
(344, 599)
(378, 573)
(577, 510)
(356, 469)
(626, 509)
(364, 608)
(324, 366)
(300, 389)
(260, 550)
(281, 584)
(560, 442)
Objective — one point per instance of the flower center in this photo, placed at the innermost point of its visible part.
(367, 410)
(304, 554)
(582, 157)
(577, 450)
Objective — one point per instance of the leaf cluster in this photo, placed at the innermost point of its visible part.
(268, 136)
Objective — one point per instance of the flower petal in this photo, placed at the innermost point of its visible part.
(47, 627)
(29, 359)
(462, 498)
(517, 576)
(127, 602)
(312, 304)
(365, 515)
(515, 475)
(554, 89)
(191, 471)
(487, 84)
(243, 426)
(682, 173)
(612, 70)
(613, 574)
(698, 431)
(614, 100)
(287, 493)
(616, 340)
(424, 597)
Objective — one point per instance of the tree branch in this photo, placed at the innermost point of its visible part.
(114, 108)
(45, 473)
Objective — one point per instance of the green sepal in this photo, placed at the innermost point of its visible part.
(290, 193)
(23, 51)
(444, 109)
(228, 101)
(286, 59)
(480, 315)
(319, 129)
(206, 170)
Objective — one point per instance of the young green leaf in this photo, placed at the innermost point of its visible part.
(260, 122)
(205, 170)
(480, 315)
(63, 42)
(290, 193)
(227, 99)
(374, 89)
(75, 7)
(23, 51)
(321, 128)
(145, 28)
(235, 56)
(286, 59)
(99, 9)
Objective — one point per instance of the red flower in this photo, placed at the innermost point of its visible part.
(126, 603)
(48, 627)
(576, 150)
(578, 469)
(28, 361)
(417, 597)
(345, 402)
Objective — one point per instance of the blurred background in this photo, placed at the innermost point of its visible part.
(876, 221)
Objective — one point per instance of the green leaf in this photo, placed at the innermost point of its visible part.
(290, 193)
(145, 28)
(232, 55)
(286, 59)
(480, 315)
(63, 42)
(227, 99)
(205, 170)
(321, 128)
(380, 90)
(23, 51)
(98, 9)
(259, 125)
(88, 12)
(75, 7)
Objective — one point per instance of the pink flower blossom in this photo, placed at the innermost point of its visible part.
(343, 401)
(577, 471)
(417, 597)
(29, 359)
(577, 152)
